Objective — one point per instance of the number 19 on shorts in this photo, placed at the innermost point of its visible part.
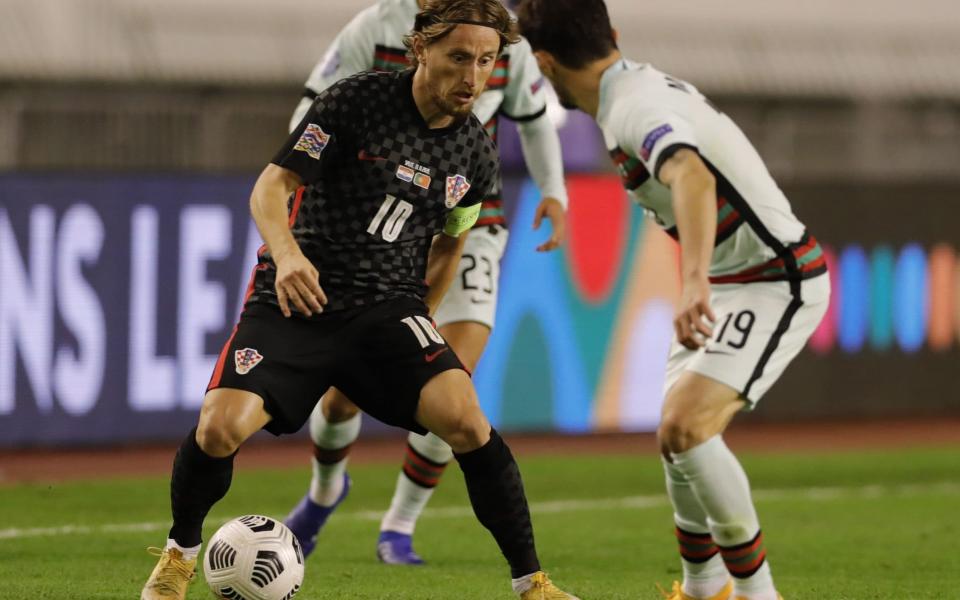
(398, 210)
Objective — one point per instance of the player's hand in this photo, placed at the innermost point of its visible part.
(554, 211)
(694, 321)
(298, 283)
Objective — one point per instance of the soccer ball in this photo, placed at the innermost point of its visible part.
(253, 558)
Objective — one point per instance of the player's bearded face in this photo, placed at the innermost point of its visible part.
(458, 66)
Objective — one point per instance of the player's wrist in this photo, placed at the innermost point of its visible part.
(285, 252)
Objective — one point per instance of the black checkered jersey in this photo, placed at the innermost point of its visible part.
(378, 186)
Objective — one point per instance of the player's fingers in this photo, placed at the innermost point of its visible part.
(322, 296)
(293, 295)
(307, 296)
(312, 282)
(681, 325)
(700, 325)
(282, 301)
(709, 313)
(551, 244)
(559, 231)
(538, 217)
(696, 333)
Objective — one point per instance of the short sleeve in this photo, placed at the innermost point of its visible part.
(524, 98)
(312, 145)
(653, 136)
(486, 174)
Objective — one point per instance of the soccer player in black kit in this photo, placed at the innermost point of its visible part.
(363, 212)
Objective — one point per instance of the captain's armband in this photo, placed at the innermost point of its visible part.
(461, 219)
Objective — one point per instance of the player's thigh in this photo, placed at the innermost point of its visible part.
(449, 408)
(336, 406)
(696, 409)
(286, 362)
(472, 296)
(760, 328)
(468, 339)
(389, 357)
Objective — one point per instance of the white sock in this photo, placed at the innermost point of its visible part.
(721, 486)
(416, 482)
(327, 482)
(188, 553)
(701, 578)
(522, 584)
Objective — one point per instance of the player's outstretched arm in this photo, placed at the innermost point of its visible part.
(694, 195)
(298, 281)
(541, 151)
(442, 267)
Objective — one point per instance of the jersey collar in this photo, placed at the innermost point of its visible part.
(606, 80)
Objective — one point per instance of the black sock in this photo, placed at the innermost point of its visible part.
(496, 493)
(197, 483)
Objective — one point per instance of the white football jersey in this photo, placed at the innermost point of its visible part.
(374, 40)
(646, 116)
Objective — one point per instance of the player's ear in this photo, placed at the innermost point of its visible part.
(419, 49)
(546, 62)
(616, 35)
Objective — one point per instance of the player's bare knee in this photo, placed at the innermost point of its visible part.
(337, 408)
(217, 438)
(678, 432)
(469, 431)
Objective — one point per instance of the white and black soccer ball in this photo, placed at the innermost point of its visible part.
(254, 558)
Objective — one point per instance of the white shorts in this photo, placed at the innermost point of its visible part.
(760, 328)
(473, 294)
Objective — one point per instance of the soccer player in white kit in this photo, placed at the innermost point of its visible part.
(754, 283)
(373, 40)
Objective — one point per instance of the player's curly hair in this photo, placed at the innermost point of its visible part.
(439, 17)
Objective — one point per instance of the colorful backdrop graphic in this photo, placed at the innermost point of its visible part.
(888, 298)
(117, 293)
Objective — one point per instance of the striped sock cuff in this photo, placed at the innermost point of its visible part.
(327, 456)
(421, 470)
(743, 560)
(696, 547)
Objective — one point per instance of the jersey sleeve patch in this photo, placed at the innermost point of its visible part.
(652, 138)
(312, 141)
(536, 85)
(331, 63)
(457, 187)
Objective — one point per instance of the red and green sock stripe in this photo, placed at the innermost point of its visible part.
(696, 547)
(743, 560)
(327, 456)
(421, 470)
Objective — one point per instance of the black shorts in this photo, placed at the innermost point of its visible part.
(380, 356)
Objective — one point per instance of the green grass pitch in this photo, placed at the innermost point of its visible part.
(852, 525)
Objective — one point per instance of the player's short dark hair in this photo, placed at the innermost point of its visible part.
(439, 17)
(576, 32)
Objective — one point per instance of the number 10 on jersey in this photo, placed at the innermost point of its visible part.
(399, 211)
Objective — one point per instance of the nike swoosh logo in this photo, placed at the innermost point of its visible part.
(364, 155)
(479, 301)
(709, 351)
(431, 357)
